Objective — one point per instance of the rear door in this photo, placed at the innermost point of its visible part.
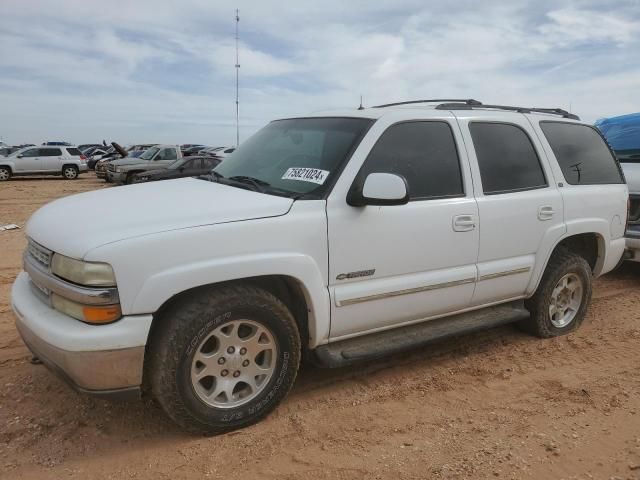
(52, 159)
(520, 208)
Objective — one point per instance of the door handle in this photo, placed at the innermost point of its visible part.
(464, 223)
(545, 212)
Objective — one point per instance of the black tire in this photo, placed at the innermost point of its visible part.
(562, 262)
(5, 174)
(186, 324)
(70, 172)
(130, 179)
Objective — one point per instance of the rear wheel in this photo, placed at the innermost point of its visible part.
(223, 359)
(70, 172)
(561, 301)
(5, 174)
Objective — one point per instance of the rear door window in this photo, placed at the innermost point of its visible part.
(50, 152)
(507, 160)
(583, 155)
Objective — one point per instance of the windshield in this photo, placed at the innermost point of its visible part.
(148, 155)
(299, 156)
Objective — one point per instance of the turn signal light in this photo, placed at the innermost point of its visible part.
(106, 314)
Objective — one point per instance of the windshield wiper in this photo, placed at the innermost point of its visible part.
(255, 182)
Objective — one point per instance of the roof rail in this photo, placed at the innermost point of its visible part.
(467, 106)
(465, 101)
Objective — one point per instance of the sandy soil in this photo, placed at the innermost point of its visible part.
(498, 404)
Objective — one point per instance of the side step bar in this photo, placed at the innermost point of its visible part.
(376, 345)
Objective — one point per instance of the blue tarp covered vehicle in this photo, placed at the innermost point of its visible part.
(623, 134)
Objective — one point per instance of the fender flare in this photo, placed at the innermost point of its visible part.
(160, 288)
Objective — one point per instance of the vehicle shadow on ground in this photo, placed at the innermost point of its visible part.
(62, 415)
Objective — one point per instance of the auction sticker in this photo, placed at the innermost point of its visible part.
(313, 175)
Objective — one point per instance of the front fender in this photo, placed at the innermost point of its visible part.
(164, 285)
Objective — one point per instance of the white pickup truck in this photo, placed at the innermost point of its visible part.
(336, 237)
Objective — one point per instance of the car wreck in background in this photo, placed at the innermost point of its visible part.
(623, 135)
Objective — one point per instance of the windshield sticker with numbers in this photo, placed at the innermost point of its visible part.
(304, 174)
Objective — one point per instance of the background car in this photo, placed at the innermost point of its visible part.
(185, 167)
(192, 150)
(220, 152)
(5, 151)
(44, 160)
(155, 158)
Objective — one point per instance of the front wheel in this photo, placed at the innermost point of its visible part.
(561, 300)
(5, 174)
(224, 358)
(70, 172)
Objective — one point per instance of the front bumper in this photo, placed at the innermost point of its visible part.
(104, 360)
(116, 177)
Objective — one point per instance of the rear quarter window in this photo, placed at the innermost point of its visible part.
(74, 151)
(583, 155)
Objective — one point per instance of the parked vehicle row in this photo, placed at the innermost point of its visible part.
(336, 237)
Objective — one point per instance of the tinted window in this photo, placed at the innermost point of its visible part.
(210, 162)
(191, 164)
(584, 157)
(424, 153)
(50, 152)
(506, 157)
(74, 151)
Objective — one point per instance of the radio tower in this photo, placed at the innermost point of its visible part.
(237, 83)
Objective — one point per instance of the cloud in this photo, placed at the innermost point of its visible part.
(157, 71)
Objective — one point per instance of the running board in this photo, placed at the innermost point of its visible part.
(376, 345)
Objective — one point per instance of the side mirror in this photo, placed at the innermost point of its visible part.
(380, 189)
(20, 156)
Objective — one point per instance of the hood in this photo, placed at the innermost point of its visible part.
(632, 175)
(76, 224)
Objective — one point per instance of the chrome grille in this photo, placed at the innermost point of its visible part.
(39, 253)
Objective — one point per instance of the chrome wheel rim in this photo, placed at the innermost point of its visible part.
(69, 173)
(4, 175)
(234, 363)
(566, 299)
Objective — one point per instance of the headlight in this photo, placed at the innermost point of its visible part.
(92, 274)
(118, 169)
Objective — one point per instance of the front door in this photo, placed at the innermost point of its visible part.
(391, 265)
(29, 161)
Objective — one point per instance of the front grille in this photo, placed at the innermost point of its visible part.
(39, 253)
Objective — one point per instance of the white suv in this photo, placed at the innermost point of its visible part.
(335, 237)
(44, 160)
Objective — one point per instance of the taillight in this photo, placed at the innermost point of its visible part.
(82, 157)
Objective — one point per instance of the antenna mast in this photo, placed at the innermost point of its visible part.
(237, 82)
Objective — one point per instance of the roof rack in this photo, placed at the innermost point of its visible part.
(468, 106)
(458, 101)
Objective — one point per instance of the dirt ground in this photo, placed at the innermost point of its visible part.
(498, 404)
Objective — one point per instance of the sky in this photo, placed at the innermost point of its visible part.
(149, 71)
